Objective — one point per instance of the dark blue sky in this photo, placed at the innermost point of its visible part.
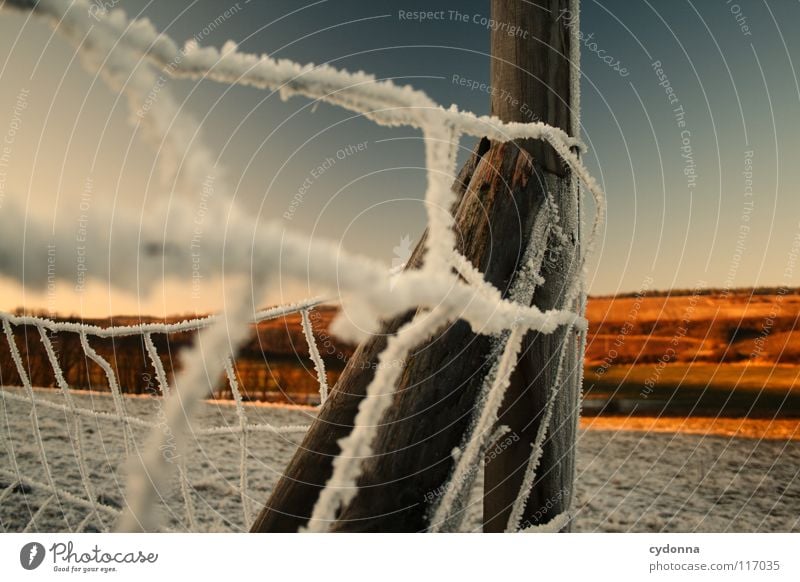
(730, 65)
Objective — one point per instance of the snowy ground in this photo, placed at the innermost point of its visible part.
(631, 476)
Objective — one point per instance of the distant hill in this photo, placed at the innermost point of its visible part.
(716, 291)
(754, 326)
(272, 366)
(705, 327)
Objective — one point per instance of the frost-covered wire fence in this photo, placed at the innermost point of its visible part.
(121, 419)
(128, 54)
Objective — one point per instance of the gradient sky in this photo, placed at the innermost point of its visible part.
(738, 88)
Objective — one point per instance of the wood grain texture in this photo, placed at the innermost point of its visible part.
(534, 69)
(530, 69)
(436, 396)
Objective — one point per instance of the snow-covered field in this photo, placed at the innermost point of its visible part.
(631, 476)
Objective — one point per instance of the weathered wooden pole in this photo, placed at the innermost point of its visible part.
(533, 69)
(437, 393)
(502, 190)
